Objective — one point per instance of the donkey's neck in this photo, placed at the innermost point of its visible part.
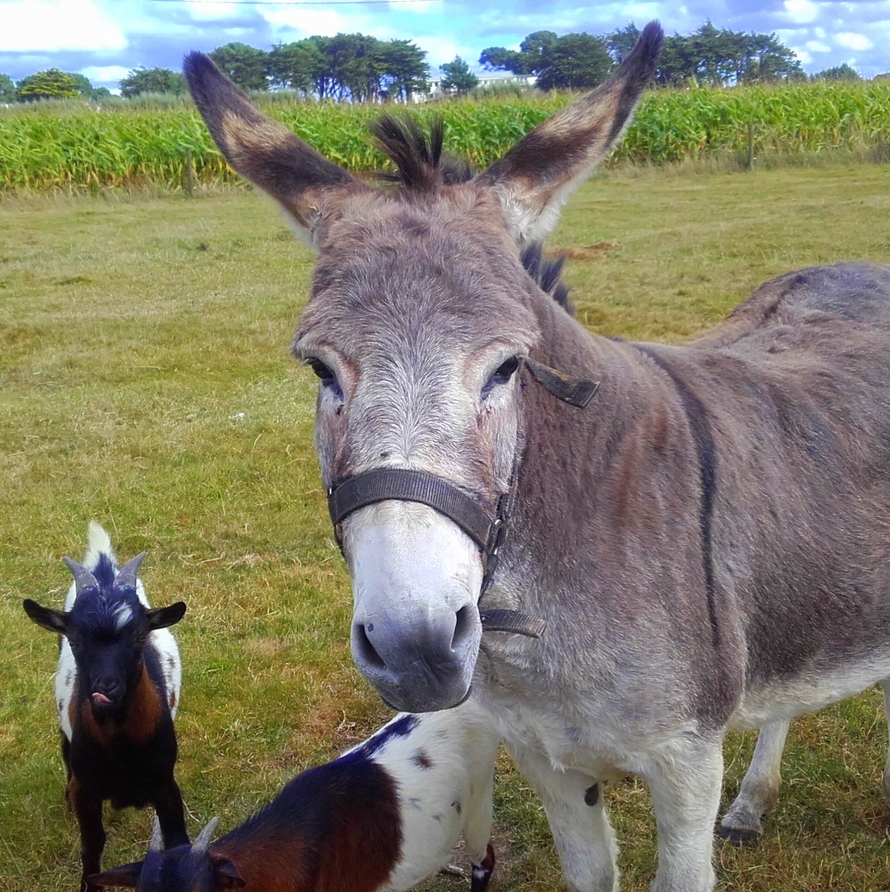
(575, 478)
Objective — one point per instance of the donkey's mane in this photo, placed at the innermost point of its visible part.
(420, 164)
(546, 274)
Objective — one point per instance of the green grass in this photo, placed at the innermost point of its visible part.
(145, 382)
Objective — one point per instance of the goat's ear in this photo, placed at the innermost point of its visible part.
(308, 186)
(45, 617)
(534, 179)
(162, 617)
(225, 874)
(126, 875)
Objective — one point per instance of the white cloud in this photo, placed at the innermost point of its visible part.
(853, 41)
(307, 22)
(103, 74)
(209, 12)
(419, 7)
(801, 11)
(442, 49)
(815, 46)
(54, 25)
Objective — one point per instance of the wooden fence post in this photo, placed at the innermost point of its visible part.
(189, 174)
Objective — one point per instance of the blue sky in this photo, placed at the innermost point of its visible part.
(104, 39)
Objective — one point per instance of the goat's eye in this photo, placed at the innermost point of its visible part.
(502, 374)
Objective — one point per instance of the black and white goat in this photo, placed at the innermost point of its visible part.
(381, 818)
(117, 688)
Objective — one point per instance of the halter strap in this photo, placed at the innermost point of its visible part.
(411, 486)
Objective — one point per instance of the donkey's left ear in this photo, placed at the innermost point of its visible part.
(308, 186)
(534, 179)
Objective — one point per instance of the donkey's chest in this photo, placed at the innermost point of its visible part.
(532, 710)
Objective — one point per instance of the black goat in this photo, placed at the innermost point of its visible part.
(117, 688)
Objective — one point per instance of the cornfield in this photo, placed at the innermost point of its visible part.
(66, 146)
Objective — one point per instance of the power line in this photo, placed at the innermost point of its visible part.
(291, 2)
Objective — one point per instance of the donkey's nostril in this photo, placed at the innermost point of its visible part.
(364, 647)
(463, 627)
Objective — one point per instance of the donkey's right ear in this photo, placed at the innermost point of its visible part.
(309, 187)
(46, 618)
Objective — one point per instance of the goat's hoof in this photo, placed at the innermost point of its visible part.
(740, 836)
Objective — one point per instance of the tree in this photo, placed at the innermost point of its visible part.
(153, 80)
(497, 58)
(7, 89)
(296, 66)
(405, 70)
(244, 64)
(721, 57)
(49, 84)
(457, 77)
(768, 59)
(621, 42)
(839, 73)
(574, 62)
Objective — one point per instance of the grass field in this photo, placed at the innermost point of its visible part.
(145, 382)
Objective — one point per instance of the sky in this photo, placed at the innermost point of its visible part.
(106, 39)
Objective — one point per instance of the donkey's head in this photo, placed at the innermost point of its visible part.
(420, 320)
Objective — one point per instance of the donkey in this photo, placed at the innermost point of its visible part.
(702, 531)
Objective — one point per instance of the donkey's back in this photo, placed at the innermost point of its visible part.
(808, 299)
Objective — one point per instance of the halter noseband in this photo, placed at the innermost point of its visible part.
(486, 527)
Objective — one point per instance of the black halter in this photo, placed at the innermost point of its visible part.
(486, 525)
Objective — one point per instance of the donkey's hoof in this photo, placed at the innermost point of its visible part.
(740, 836)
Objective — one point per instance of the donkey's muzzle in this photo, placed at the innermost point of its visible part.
(422, 665)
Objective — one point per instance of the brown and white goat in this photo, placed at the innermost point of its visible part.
(381, 818)
(117, 688)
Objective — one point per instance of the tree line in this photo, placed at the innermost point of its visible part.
(359, 68)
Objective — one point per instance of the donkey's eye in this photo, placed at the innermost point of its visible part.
(502, 374)
(325, 375)
(322, 372)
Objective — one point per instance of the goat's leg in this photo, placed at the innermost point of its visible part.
(760, 788)
(87, 808)
(171, 815)
(66, 758)
(578, 819)
(684, 777)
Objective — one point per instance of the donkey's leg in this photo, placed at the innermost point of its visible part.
(885, 687)
(684, 780)
(578, 820)
(760, 788)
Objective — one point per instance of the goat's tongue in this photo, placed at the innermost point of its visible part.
(99, 699)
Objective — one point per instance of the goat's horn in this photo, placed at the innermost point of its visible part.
(83, 579)
(127, 574)
(157, 838)
(202, 843)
